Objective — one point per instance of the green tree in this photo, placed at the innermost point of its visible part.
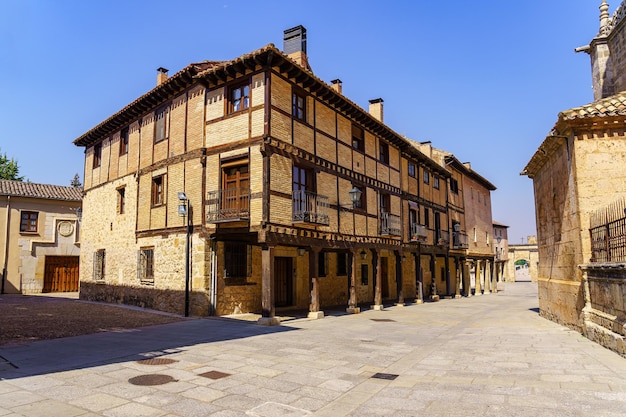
(76, 181)
(9, 170)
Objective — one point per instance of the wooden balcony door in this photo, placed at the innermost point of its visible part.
(235, 188)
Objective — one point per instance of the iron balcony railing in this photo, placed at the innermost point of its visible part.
(608, 233)
(460, 240)
(309, 207)
(231, 204)
(419, 233)
(443, 237)
(390, 224)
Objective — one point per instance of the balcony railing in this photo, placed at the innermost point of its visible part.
(608, 233)
(419, 233)
(390, 224)
(460, 240)
(443, 238)
(231, 204)
(309, 207)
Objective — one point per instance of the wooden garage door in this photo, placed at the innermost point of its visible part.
(61, 274)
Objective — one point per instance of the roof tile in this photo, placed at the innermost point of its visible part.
(45, 191)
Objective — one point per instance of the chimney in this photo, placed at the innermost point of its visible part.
(294, 45)
(376, 108)
(336, 85)
(161, 76)
(426, 148)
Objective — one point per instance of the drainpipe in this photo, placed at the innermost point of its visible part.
(6, 245)
(213, 274)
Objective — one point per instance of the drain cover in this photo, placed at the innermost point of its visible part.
(390, 377)
(156, 361)
(214, 375)
(151, 379)
(388, 320)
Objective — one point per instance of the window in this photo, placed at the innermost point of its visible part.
(236, 258)
(98, 265)
(412, 169)
(426, 217)
(235, 202)
(342, 264)
(436, 182)
(426, 177)
(239, 97)
(302, 188)
(364, 274)
(28, 223)
(358, 138)
(298, 106)
(384, 202)
(475, 236)
(145, 266)
(487, 237)
(160, 125)
(158, 190)
(383, 153)
(121, 200)
(412, 216)
(124, 141)
(361, 204)
(97, 155)
(322, 264)
(454, 186)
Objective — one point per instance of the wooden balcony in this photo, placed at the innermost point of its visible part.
(390, 225)
(229, 205)
(460, 240)
(443, 238)
(419, 233)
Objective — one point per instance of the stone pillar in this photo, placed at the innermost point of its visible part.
(267, 288)
(399, 283)
(352, 268)
(494, 276)
(478, 276)
(314, 306)
(467, 287)
(378, 293)
(487, 276)
(457, 273)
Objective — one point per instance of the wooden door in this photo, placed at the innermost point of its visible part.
(61, 274)
(236, 189)
(283, 282)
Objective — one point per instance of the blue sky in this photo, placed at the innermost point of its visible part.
(482, 79)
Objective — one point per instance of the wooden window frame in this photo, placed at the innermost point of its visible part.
(298, 105)
(124, 135)
(435, 182)
(26, 221)
(161, 124)
(383, 152)
(237, 262)
(454, 185)
(97, 155)
(384, 202)
(358, 138)
(121, 200)
(158, 190)
(412, 169)
(426, 177)
(244, 90)
(426, 218)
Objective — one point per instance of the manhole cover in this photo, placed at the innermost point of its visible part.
(151, 379)
(214, 375)
(390, 377)
(387, 320)
(156, 361)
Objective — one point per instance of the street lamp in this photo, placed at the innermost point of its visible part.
(184, 208)
(355, 196)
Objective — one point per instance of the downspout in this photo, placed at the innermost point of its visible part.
(6, 245)
(213, 277)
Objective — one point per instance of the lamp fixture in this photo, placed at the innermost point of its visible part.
(182, 207)
(355, 196)
(363, 254)
(301, 251)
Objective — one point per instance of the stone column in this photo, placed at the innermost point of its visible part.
(267, 288)
(457, 273)
(314, 306)
(378, 293)
(477, 274)
(352, 268)
(399, 286)
(467, 287)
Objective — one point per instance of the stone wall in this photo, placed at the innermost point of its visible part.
(604, 314)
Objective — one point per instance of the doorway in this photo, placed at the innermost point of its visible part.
(283, 282)
(61, 274)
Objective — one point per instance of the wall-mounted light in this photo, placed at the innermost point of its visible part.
(355, 196)
(363, 255)
(79, 214)
(301, 251)
(182, 206)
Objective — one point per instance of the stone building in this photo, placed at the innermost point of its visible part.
(291, 196)
(578, 169)
(40, 237)
(501, 250)
(523, 261)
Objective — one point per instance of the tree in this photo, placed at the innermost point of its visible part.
(9, 170)
(76, 181)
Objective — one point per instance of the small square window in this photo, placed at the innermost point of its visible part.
(383, 154)
(412, 169)
(239, 97)
(298, 106)
(436, 182)
(29, 220)
(358, 138)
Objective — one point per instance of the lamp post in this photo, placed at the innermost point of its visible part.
(184, 209)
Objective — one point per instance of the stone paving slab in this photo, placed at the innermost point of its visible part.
(479, 356)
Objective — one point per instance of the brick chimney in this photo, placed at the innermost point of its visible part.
(161, 76)
(336, 85)
(294, 45)
(376, 108)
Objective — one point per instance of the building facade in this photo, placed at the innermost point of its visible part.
(40, 242)
(251, 185)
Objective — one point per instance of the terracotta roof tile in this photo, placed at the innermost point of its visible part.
(45, 191)
(608, 107)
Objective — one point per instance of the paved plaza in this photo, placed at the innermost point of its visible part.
(489, 355)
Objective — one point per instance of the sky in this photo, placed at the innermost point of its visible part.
(483, 79)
